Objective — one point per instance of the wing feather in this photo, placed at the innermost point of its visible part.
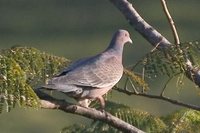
(99, 71)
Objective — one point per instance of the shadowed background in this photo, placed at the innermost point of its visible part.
(75, 29)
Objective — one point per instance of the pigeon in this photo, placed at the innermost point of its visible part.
(88, 79)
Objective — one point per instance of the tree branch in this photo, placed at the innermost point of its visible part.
(48, 102)
(161, 97)
(152, 35)
(170, 20)
(140, 25)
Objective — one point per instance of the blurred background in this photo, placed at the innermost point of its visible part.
(75, 29)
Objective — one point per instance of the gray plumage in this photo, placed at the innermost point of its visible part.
(91, 78)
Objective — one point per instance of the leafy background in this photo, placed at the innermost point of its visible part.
(75, 29)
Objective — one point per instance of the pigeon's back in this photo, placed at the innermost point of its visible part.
(101, 71)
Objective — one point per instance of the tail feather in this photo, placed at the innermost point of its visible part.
(62, 88)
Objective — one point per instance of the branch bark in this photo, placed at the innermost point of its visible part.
(152, 35)
(140, 25)
(48, 102)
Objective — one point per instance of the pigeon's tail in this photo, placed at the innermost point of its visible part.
(62, 88)
(70, 90)
(40, 89)
(49, 87)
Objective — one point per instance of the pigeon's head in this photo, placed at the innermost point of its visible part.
(122, 37)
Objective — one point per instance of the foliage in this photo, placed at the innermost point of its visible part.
(136, 79)
(21, 70)
(140, 119)
(193, 51)
(13, 86)
(183, 121)
(170, 62)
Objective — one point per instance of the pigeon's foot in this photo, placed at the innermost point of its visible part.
(104, 112)
(84, 103)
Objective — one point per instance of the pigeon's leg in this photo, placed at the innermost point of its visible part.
(102, 102)
(84, 102)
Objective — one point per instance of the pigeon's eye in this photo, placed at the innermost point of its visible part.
(125, 35)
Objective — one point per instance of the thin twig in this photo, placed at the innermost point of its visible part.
(126, 85)
(164, 98)
(170, 20)
(165, 86)
(156, 46)
(143, 78)
(133, 86)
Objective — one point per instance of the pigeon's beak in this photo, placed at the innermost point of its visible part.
(130, 41)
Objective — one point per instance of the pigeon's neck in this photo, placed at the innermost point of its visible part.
(116, 48)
